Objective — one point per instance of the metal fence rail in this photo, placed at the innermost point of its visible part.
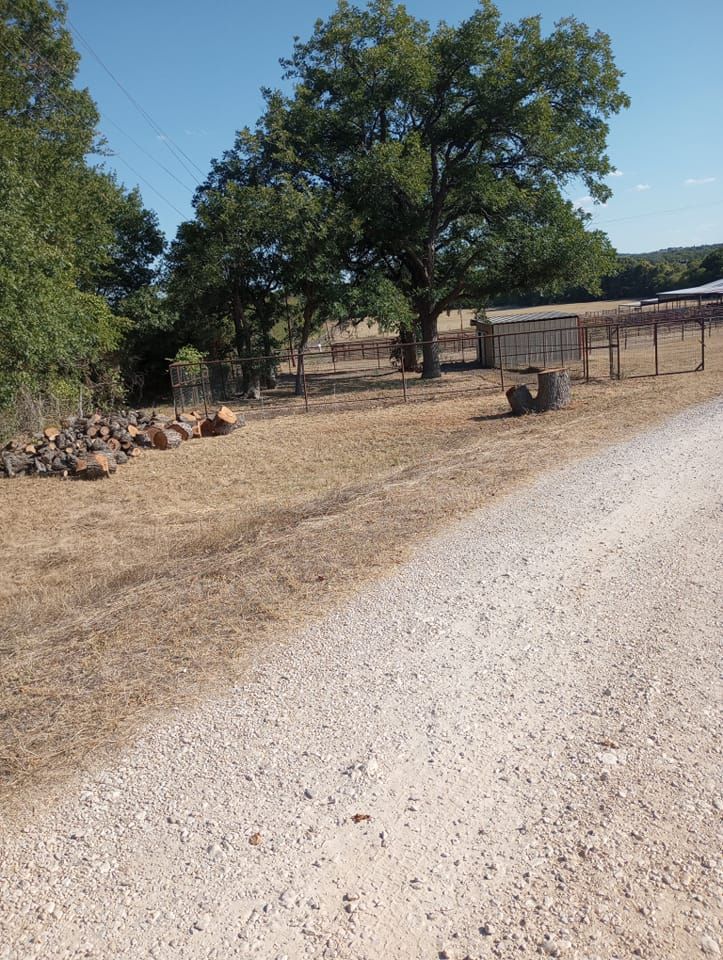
(379, 371)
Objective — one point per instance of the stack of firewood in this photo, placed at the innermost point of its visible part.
(93, 447)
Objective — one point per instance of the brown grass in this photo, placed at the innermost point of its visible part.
(122, 598)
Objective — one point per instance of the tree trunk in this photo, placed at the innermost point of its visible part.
(521, 400)
(431, 368)
(409, 349)
(553, 389)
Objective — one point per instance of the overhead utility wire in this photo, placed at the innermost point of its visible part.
(108, 119)
(660, 213)
(170, 143)
(74, 113)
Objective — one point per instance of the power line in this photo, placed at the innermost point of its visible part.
(108, 119)
(660, 213)
(175, 149)
(74, 113)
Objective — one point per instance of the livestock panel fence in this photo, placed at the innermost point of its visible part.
(383, 370)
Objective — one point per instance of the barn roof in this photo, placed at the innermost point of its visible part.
(712, 289)
(527, 317)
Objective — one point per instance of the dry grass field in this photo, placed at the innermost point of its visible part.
(122, 598)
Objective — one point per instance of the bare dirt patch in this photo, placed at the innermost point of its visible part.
(122, 598)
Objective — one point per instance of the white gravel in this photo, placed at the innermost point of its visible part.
(527, 714)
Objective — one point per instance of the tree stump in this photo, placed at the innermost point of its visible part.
(521, 400)
(224, 422)
(553, 389)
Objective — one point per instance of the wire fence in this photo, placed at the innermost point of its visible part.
(383, 370)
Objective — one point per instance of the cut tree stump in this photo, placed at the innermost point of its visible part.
(224, 422)
(521, 400)
(553, 389)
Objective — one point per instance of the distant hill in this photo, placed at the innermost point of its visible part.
(682, 255)
(639, 275)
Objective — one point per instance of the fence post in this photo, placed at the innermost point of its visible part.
(499, 354)
(586, 348)
(610, 351)
(562, 348)
(617, 343)
(302, 366)
(401, 367)
(702, 344)
(655, 345)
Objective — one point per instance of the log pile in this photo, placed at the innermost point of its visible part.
(94, 447)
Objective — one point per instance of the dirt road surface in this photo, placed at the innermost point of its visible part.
(522, 723)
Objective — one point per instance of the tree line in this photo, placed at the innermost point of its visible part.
(642, 275)
(403, 170)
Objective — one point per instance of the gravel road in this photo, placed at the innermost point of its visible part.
(524, 720)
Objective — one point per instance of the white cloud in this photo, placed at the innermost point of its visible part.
(641, 186)
(583, 202)
(696, 182)
(616, 173)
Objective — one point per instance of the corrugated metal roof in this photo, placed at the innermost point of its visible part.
(526, 317)
(707, 289)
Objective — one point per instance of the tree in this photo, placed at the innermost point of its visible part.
(265, 241)
(73, 244)
(450, 146)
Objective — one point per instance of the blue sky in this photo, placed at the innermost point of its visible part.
(197, 69)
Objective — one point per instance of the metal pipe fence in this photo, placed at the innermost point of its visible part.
(381, 371)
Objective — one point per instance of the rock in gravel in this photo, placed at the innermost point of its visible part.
(709, 946)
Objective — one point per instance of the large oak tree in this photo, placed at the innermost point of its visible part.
(451, 147)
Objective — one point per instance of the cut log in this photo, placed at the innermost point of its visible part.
(553, 389)
(166, 439)
(16, 464)
(51, 433)
(521, 400)
(184, 430)
(93, 467)
(206, 428)
(113, 444)
(133, 430)
(149, 433)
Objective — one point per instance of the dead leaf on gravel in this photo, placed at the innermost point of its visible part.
(255, 839)
(607, 742)
(361, 817)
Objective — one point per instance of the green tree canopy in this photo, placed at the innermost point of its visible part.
(73, 243)
(450, 146)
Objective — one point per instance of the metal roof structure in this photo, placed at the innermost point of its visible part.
(712, 289)
(529, 317)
